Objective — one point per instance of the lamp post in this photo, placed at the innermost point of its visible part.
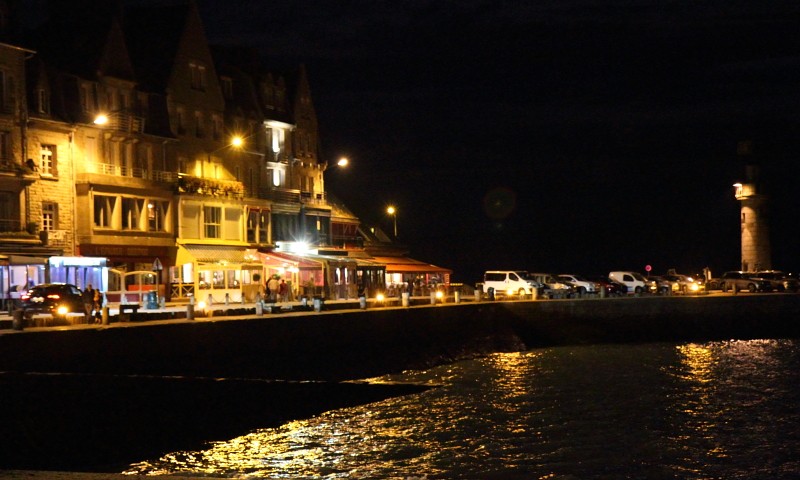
(393, 212)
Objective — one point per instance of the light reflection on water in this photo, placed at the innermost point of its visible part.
(704, 411)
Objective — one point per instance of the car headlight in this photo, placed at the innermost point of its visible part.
(62, 310)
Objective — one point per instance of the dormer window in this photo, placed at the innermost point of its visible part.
(43, 101)
(198, 76)
(227, 87)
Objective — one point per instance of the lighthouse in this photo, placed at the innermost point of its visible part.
(756, 252)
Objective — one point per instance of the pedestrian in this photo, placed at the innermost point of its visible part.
(283, 290)
(272, 288)
(88, 302)
(98, 305)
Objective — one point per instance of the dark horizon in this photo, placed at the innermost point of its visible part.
(566, 137)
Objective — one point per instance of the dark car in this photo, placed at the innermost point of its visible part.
(57, 299)
(781, 282)
(741, 281)
(613, 289)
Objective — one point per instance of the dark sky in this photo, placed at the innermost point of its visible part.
(575, 135)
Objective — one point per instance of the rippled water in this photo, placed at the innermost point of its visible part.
(722, 410)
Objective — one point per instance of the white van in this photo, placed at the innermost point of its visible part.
(508, 282)
(635, 282)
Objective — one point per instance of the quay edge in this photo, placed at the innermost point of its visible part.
(352, 344)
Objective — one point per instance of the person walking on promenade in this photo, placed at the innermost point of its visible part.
(98, 305)
(272, 288)
(283, 291)
(88, 302)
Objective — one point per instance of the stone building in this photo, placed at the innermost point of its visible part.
(139, 159)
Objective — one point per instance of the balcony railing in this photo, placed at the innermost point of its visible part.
(125, 122)
(210, 187)
(131, 172)
(287, 195)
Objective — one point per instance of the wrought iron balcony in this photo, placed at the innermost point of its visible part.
(121, 121)
(210, 187)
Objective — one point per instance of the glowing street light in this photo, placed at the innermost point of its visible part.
(393, 212)
(101, 119)
(342, 162)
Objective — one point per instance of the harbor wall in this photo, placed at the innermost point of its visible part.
(351, 344)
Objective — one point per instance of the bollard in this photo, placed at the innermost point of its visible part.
(603, 292)
(404, 299)
(227, 298)
(362, 302)
(535, 293)
(18, 322)
(457, 296)
(491, 294)
(259, 308)
(105, 316)
(210, 300)
(478, 295)
(162, 303)
(190, 311)
(433, 297)
(241, 299)
(317, 304)
(735, 289)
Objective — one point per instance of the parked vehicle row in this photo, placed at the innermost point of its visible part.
(617, 283)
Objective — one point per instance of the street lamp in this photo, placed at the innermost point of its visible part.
(393, 212)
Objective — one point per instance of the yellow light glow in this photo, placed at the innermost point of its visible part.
(62, 310)
(237, 141)
(343, 162)
(101, 119)
(439, 294)
(379, 297)
(201, 305)
(391, 210)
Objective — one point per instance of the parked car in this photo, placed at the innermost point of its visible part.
(52, 298)
(634, 281)
(659, 285)
(556, 288)
(749, 281)
(581, 284)
(780, 281)
(684, 283)
(613, 289)
(508, 282)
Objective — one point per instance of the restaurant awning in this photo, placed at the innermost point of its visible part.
(409, 265)
(22, 260)
(216, 254)
(296, 260)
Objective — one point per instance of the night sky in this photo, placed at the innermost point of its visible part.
(565, 136)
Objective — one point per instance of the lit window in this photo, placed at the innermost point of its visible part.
(156, 214)
(47, 162)
(131, 213)
(212, 221)
(48, 216)
(103, 210)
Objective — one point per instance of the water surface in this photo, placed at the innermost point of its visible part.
(720, 410)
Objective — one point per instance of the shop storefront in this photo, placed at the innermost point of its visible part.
(132, 270)
(216, 274)
(337, 276)
(408, 274)
(18, 273)
(80, 271)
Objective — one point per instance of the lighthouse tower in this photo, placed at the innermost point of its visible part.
(756, 252)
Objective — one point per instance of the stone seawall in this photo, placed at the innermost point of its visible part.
(131, 391)
(357, 344)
